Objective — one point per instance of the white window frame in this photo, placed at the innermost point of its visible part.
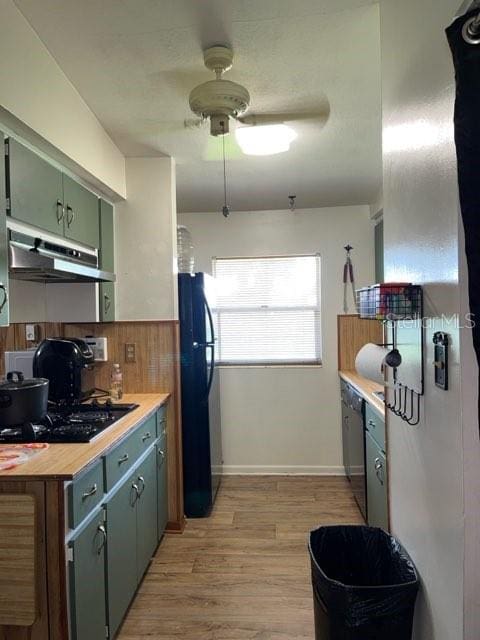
(318, 361)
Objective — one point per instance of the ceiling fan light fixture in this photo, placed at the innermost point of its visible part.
(265, 140)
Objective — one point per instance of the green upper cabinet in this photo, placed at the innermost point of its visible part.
(4, 311)
(35, 189)
(107, 261)
(81, 213)
(41, 195)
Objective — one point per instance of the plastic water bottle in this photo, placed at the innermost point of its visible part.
(116, 383)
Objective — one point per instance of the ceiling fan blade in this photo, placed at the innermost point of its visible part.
(289, 116)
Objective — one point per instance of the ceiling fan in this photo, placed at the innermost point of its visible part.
(218, 101)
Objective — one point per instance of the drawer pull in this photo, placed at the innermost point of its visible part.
(372, 423)
(123, 459)
(101, 529)
(142, 480)
(146, 436)
(90, 492)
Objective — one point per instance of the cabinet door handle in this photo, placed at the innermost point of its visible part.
(70, 215)
(137, 493)
(90, 492)
(371, 423)
(378, 469)
(5, 296)
(161, 454)
(123, 459)
(142, 489)
(106, 302)
(60, 211)
(146, 436)
(101, 529)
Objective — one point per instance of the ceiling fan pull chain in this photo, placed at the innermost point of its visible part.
(226, 208)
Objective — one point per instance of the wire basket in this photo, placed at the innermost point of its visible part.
(391, 301)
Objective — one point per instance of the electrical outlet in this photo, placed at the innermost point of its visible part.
(130, 352)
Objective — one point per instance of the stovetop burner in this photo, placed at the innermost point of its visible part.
(70, 423)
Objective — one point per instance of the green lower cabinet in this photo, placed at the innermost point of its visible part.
(162, 487)
(147, 538)
(121, 552)
(87, 582)
(377, 497)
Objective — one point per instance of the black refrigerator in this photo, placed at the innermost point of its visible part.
(201, 425)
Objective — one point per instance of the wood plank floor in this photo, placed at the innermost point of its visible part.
(243, 573)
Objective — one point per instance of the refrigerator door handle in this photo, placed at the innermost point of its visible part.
(210, 344)
(212, 369)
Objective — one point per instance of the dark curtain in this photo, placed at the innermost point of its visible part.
(466, 59)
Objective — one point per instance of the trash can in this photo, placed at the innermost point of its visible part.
(364, 584)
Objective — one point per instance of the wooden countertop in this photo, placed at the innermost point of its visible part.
(365, 388)
(65, 461)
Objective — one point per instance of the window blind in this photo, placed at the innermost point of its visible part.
(268, 310)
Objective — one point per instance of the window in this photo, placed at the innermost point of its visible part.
(268, 310)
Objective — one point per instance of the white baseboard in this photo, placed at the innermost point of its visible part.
(277, 470)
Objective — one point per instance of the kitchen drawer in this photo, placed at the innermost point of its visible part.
(146, 434)
(162, 421)
(121, 459)
(375, 426)
(84, 494)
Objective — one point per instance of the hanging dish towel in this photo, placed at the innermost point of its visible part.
(466, 59)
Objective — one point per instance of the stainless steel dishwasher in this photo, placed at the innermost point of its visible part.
(356, 450)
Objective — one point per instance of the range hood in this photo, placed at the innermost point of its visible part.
(43, 258)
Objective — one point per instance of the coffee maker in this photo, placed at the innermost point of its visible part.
(68, 364)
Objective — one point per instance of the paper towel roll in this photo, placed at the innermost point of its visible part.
(369, 362)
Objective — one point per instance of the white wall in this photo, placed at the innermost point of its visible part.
(422, 245)
(145, 242)
(287, 419)
(39, 102)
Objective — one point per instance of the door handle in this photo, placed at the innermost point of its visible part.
(101, 529)
(142, 480)
(137, 492)
(60, 211)
(70, 215)
(106, 302)
(5, 296)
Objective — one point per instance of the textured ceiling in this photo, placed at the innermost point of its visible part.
(135, 61)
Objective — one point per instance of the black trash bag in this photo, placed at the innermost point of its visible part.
(364, 584)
